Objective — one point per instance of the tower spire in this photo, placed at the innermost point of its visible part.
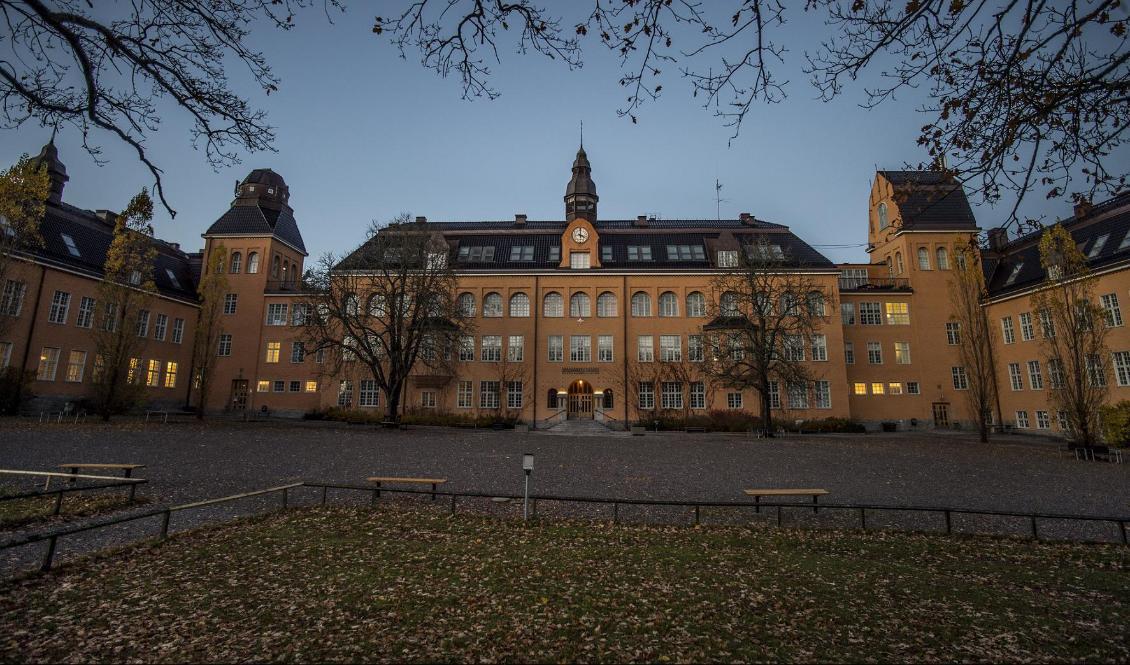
(582, 135)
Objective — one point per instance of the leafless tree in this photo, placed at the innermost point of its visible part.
(976, 337)
(765, 316)
(23, 191)
(1022, 95)
(507, 372)
(390, 305)
(209, 326)
(110, 70)
(1073, 336)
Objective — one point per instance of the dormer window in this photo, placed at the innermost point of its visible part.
(882, 211)
(639, 252)
(522, 253)
(135, 277)
(70, 243)
(685, 253)
(727, 258)
(1014, 274)
(554, 254)
(6, 227)
(270, 190)
(475, 254)
(606, 253)
(765, 252)
(172, 277)
(1097, 246)
(251, 188)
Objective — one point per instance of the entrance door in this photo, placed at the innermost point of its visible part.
(941, 415)
(580, 400)
(239, 394)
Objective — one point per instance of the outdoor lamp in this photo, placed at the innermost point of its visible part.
(528, 467)
(528, 463)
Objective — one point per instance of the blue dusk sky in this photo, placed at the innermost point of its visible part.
(364, 135)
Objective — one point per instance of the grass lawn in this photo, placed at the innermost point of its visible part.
(404, 583)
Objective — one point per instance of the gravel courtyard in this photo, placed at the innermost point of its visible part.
(190, 462)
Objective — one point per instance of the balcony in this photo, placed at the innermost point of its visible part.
(875, 284)
(283, 286)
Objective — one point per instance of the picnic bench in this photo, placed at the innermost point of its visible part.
(128, 468)
(409, 481)
(814, 493)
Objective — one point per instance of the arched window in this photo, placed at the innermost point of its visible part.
(580, 305)
(764, 304)
(466, 304)
(492, 304)
(553, 305)
(890, 267)
(728, 304)
(696, 304)
(961, 259)
(376, 306)
(551, 398)
(608, 398)
(219, 269)
(668, 304)
(815, 303)
(252, 263)
(293, 273)
(285, 272)
(275, 267)
(788, 304)
(641, 304)
(943, 258)
(520, 305)
(883, 223)
(236, 262)
(351, 307)
(899, 267)
(923, 259)
(606, 304)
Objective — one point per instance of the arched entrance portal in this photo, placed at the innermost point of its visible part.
(580, 400)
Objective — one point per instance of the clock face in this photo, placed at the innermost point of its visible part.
(580, 234)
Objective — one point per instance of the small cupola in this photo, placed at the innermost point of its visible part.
(263, 187)
(48, 158)
(580, 193)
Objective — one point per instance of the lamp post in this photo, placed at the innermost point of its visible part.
(528, 467)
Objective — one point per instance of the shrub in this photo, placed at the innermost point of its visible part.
(414, 417)
(15, 389)
(1116, 423)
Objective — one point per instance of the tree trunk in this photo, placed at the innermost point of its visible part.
(392, 412)
(766, 414)
(983, 429)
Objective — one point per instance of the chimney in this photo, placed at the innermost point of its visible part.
(641, 221)
(108, 216)
(1082, 208)
(421, 220)
(175, 245)
(747, 219)
(998, 238)
(519, 220)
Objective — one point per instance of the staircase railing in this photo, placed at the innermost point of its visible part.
(555, 419)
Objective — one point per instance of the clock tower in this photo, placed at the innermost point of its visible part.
(580, 194)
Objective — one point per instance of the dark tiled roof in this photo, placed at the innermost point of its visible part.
(1025, 251)
(601, 225)
(253, 219)
(92, 238)
(929, 200)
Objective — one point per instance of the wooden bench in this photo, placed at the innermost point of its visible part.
(412, 481)
(694, 429)
(128, 468)
(814, 493)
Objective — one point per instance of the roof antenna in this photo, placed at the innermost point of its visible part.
(718, 198)
(582, 135)
(54, 130)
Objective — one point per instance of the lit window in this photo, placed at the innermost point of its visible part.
(170, 374)
(76, 363)
(273, 349)
(898, 314)
(859, 388)
(877, 388)
(153, 373)
(263, 386)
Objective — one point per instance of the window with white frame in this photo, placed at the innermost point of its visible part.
(230, 302)
(774, 395)
(465, 303)
(143, 323)
(492, 305)
(1026, 333)
(428, 399)
(646, 392)
(60, 304)
(1015, 377)
(668, 304)
(912, 388)
(178, 331)
(466, 348)
(819, 348)
(580, 348)
(223, 348)
(793, 348)
(85, 317)
(1121, 367)
(1056, 377)
(874, 353)
(519, 305)
(798, 395)
(273, 349)
(733, 400)
(516, 348)
(369, 394)
(1042, 420)
(153, 373)
(902, 353)
(463, 397)
(670, 348)
(645, 348)
(847, 313)
(671, 395)
(737, 350)
(276, 314)
(923, 259)
(953, 333)
(606, 305)
(695, 349)
(297, 352)
(513, 394)
(1096, 373)
(553, 305)
(960, 379)
(1035, 379)
(171, 375)
(727, 258)
(160, 326)
(490, 350)
(698, 395)
(822, 391)
(728, 305)
(1047, 324)
(696, 304)
(344, 392)
(579, 261)
(556, 348)
(639, 252)
(580, 306)
(1111, 311)
(1007, 330)
(870, 314)
(522, 253)
(641, 304)
(815, 303)
(943, 258)
(1061, 418)
(76, 364)
(1022, 420)
(12, 302)
(604, 348)
(898, 314)
(849, 353)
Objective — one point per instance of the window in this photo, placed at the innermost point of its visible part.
(899, 267)
(798, 395)
(70, 243)
(881, 212)
(898, 314)
(1056, 378)
(1014, 274)
(579, 261)
(1095, 370)
(516, 348)
(874, 353)
(153, 373)
(727, 258)
(639, 252)
(556, 348)
(60, 304)
(1097, 246)
(273, 349)
(606, 253)
(275, 267)
(793, 347)
(822, 391)
(513, 394)
(263, 386)
(695, 349)
(252, 263)
(519, 305)
(464, 399)
(668, 304)
(580, 305)
(170, 374)
(489, 394)
(606, 304)
(1007, 330)
(943, 258)
(224, 346)
(492, 305)
(646, 392)
(696, 304)
(774, 395)
(522, 253)
(847, 313)
(1035, 379)
(344, 393)
(553, 305)
(297, 352)
(849, 353)
(554, 254)
(902, 353)
(859, 388)
(815, 303)
(276, 312)
(819, 348)
(160, 327)
(76, 363)
(135, 277)
(1022, 420)
(960, 380)
(368, 394)
(607, 398)
(295, 386)
(5, 354)
(428, 399)
(490, 349)
(604, 348)
(580, 348)
(1061, 417)
(1122, 367)
(788, 304)
(1042, 420)
(1110, 309)
(300, 314)
(686, 253)
(236, 262)
(476, 254)
(641, 304)
(142, 323)
(698, 395)
(1047, 325)
(870, 314)
(912, 388)
(737, 350)
(733, 400)
(923, 259)
(13, 301)
(670, 348)
(1015, 377)
(645, 348)
(671, 395)
(953, 333)
(1026, 327)
(764, 252)
(85, 317)
(230, 301)
(878, 388)
(466, 304)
